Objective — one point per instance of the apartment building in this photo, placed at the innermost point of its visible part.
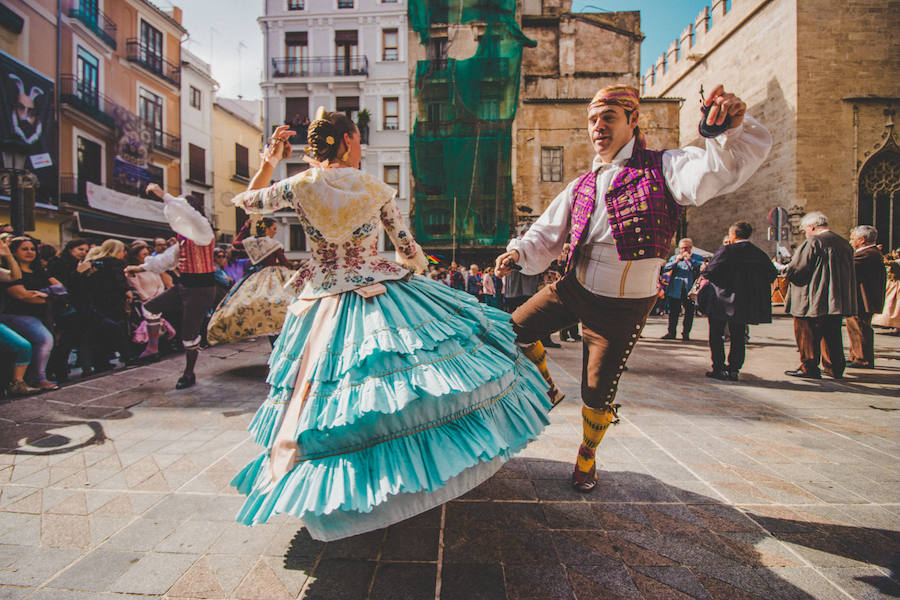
(29, 162)
(348, 56)
(120, 115)
(236, 144)
(198, 88)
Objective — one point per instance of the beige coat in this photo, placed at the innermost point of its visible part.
(823, 281)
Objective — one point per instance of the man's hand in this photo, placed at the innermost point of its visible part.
(724, 104)
(155, 190)
(501, 267)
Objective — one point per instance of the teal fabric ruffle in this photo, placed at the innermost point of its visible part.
(416, 386)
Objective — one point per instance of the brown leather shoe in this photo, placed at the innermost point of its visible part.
(556, 396)
(803, 374)
(585, 482)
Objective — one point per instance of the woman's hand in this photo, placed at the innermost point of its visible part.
(279, 145)
(4, 249)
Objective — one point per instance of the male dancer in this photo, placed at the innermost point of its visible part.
(195, 293)
(611, 272)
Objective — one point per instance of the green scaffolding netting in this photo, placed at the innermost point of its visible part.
(461, 143)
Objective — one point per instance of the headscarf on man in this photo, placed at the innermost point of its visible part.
(619, 95)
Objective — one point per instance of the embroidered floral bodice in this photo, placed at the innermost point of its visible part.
(342, 212)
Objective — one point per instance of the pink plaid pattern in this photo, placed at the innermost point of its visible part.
(642, 213)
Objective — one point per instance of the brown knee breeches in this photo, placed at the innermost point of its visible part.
(611, 327)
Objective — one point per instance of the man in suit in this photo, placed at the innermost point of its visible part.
(684, 266)
(822, 293)
(740, 275)
(871, 279)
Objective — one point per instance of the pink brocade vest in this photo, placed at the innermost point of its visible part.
(641, 211)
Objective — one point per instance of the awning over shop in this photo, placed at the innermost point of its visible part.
(119, 227)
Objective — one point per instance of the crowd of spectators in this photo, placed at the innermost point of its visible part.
(75, 312)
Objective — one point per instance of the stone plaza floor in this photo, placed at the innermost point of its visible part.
(772, 487)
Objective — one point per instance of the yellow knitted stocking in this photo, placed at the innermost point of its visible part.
(535, 353)
(594, 422)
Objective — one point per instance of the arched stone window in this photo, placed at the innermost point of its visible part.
(879, 195)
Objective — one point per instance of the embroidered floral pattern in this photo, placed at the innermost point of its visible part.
(342, 212)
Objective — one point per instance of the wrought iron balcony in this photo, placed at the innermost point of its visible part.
(149, 59)
(320, 66)
(86, 99)
(165, 142)
(97, 21)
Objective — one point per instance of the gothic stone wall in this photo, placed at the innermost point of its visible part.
(751, 51)
(849, 70)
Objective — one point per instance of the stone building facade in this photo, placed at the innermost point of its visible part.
(822, 77)
(348, 56)
(576, 54)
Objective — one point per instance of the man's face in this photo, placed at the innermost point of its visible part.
(25, 109)
(685, 248)
(609, 129)
(159, 245)
(809, 230)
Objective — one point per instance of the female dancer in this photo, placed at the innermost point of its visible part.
(257, 304)
(390, 393)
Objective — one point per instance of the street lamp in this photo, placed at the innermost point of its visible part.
(14, 178)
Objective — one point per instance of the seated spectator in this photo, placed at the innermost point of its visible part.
(27, 309)
(10, 341)
(146, 284)
(70, 329)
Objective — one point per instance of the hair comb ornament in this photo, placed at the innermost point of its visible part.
(711, 131)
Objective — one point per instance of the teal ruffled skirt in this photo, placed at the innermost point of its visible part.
(420, 395)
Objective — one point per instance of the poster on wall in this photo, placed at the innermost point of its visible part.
(133, 143)
(28, 128)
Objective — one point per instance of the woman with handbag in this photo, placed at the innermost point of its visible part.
(390, 392)
(27, 309)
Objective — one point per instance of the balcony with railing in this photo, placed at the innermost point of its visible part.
(165, 142)
(149, 59)
(96, 21)
(320, 66)
(87, 99)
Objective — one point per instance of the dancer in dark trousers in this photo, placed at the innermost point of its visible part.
(195, 292)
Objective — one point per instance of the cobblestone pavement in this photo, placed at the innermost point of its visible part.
(772, 487)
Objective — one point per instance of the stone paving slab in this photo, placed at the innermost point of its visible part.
(117, 488)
